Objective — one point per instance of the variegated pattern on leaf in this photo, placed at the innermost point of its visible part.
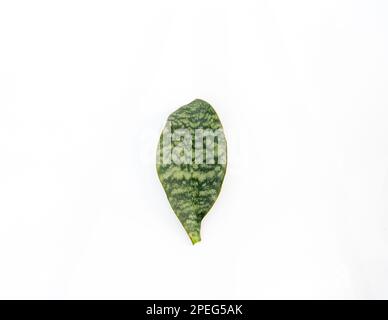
(191, 163)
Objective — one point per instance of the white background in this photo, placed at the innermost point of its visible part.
(301, 89)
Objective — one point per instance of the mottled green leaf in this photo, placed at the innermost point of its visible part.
(191, 163)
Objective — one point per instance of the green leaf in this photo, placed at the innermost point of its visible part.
(191, 163)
